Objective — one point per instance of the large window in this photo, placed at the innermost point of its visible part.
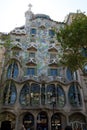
(60, 96)
(12, 71)
(24, 95)
(50, 92)
(35, 94)
(10, 93)
(74, 95)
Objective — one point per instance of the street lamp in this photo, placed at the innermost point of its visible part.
(53, 98)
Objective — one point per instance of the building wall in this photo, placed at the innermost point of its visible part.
(32, 78)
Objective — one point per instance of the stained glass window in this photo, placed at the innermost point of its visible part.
(50, 92)
(35, 94)
(60, 96)
(12, 71)
(74, 95)
(24, 95)
(10, 93)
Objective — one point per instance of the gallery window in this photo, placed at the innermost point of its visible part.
(24, 95)
(12, 71)
(35, 94)
(74, 95)
(50, 91)
(10, 93)
(60, 96)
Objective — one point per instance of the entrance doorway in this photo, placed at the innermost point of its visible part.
(28, 121)
(42, 121)
(56, 122)
(6, 125)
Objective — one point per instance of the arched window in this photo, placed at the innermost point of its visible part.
(56, 122)
(28, 121)
(10, 93)
(24, 95)
(12, 71)
(60, 96)
(35, 94)
(50, 92)
(42, 121)
(74, 95)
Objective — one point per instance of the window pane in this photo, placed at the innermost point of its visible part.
(12, 70)
(32, 55)
(50, 92)
(69, 74)
(10, 93)
(74, 95)
(53, 72)
(24, 95)
(35, 94)
(43, 95)
(33, 31)
(60, 96)
(51, 33)
(30, 71)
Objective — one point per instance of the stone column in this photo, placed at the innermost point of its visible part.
(16, 124)
(49, 121)
(35, 121)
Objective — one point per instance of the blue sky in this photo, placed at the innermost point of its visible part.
(12, 12)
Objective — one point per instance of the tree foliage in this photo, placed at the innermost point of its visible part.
(73, 40)
(6, 39)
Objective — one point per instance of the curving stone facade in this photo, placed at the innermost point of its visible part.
(36, 93)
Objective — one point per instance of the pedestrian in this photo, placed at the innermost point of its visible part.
(68, 127)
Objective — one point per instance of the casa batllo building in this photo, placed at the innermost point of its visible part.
(36, 93)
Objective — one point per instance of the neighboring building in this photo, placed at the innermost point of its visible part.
(37, 93)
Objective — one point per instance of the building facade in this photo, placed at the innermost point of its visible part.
(36, 93)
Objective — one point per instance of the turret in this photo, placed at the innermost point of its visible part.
(28, 15)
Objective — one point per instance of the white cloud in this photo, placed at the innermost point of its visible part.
(12, 12)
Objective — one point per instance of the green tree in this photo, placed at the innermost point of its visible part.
(73, 40)
(6, 39)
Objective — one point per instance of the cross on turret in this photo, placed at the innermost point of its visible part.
(30, 5)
